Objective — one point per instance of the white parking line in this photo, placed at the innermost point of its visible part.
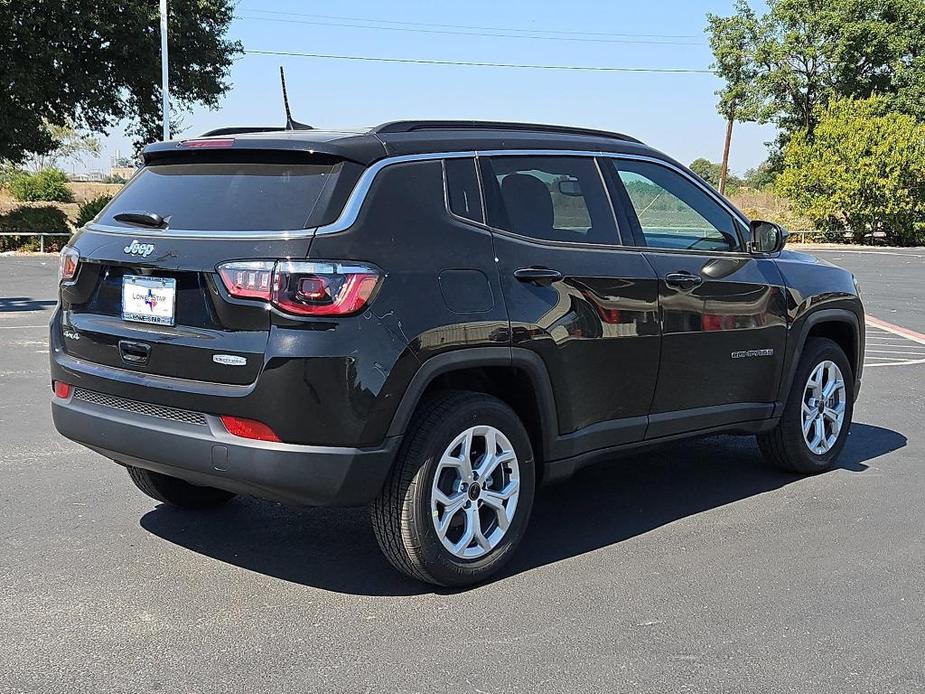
(894, 352)
(892, 345)
(895, 329)
(862, 252)
(21, 327)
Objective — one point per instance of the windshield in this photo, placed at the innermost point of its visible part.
(225, 196)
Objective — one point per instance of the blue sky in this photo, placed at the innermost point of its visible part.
(673, 112)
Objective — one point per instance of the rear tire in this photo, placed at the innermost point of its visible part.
(177, 492)
(810, 435)
(448, 518)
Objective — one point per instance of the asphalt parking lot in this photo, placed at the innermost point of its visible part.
(691, 569)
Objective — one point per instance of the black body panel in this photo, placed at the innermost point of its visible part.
(588, 328)
(592, 343)
(739, 307)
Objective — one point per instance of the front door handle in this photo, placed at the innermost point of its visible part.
(542, 276)
(683, 280)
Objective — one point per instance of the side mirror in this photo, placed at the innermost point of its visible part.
(767, 237)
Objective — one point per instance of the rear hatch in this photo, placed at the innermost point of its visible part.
(147, 296)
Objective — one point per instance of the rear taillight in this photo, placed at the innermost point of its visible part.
(248, 280)
(323, 289)
(303, 288)
(249, 429)
(67, 263)
(62, 390)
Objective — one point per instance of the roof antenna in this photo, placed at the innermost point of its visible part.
(290, 124)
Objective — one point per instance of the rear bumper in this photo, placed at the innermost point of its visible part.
(201, 451)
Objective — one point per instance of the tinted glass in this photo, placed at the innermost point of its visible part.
(462, 186)
(552, 198)
(673, 212)
(226, 196)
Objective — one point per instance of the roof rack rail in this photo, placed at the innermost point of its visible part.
(407, 126)
(240, 130)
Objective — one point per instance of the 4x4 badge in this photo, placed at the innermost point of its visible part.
(142, 249)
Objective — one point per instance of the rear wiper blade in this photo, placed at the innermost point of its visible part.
(147, 219)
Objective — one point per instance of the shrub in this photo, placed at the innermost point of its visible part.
(863, 171)
(7, 173)
(88, 210)
(114, 178)
(46, 185)
(44, 218)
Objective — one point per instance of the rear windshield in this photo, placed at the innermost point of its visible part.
(225, 196)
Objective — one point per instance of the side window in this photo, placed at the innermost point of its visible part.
(673, 212)
(551, 198)
(462, 188)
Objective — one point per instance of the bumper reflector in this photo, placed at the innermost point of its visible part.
(62, 390)
(249, 429)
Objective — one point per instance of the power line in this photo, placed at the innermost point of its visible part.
(445, 32)
(475, 27)
(472, 63)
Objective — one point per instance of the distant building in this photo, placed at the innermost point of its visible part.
(125, 172)
(86, 176)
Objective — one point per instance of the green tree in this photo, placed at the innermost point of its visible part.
(68, 143)
(803, 53)
(761, 176)
(707, 170)
(863, 170)
(94, 63)
(733, 41)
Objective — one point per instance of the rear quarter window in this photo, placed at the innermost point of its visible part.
(226, 196)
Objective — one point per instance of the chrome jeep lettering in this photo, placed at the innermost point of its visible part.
(142, 249)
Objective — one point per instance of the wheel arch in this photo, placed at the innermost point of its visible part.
(840, 325)
(516, 376)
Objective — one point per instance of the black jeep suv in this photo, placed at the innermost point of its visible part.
(433, 318)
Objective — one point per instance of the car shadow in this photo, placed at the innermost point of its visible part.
(13, 304)
(334, 549)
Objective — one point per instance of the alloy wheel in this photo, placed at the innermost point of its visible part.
(474, 493)
(824, 401)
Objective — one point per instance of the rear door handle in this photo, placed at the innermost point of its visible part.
(542, 276)
(683, 280)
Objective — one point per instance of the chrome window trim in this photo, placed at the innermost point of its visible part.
(355, 201)
(167, 234)
(351, 211)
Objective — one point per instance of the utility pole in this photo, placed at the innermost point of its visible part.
(724, 169)
(165, 93)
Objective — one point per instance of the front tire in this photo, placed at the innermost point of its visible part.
(176, 492)
(458, 501)
(814, 425)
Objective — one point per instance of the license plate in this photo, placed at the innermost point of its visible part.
(149, 299)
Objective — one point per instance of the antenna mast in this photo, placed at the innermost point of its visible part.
(282, 79)
(290, 124)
